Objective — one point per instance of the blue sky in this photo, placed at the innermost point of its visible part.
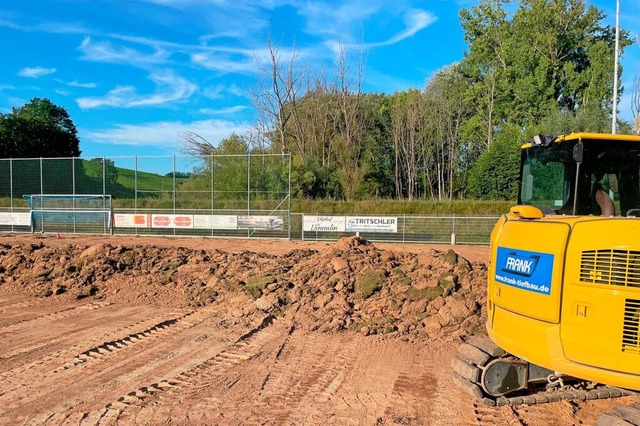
(135, 74)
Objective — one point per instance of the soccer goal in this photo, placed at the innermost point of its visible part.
(70, 213)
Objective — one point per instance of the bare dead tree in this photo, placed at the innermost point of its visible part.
(276, 93)
(195, 145)
(311, 126)
(351, 122)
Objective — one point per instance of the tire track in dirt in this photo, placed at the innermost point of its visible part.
(101, 379)
(46, 365)
(139, 406)
(302, 382)
(409, 401)
(318, 394)
(10, 304)
(62, 314)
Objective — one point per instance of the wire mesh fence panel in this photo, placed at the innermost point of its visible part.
(6, 185)
(474, 230)
(418, 229)
(217, 195)
(58, 176)
(26, 178)
(120, 181)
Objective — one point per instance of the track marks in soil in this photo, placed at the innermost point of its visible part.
(55, 316)
(147, 404)
(108, 348)
(49, 364)
(19, 395)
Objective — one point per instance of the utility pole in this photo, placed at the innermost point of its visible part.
(615, 71)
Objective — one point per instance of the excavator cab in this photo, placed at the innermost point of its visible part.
(563, 285)
(561, 175)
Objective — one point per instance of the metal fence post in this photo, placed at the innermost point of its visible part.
(11, 182)
(453, 231)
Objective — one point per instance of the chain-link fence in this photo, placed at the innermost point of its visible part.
(252, 182)
(214, 196)
(404, 229)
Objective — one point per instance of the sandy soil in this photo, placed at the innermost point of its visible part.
(139, 330)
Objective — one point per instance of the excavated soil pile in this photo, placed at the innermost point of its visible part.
(351, 285)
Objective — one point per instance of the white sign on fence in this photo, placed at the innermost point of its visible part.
(260, 222)
(372, 224)
(324, 223)
(215, 222)
(15, 219)
(124, 220)
(172, 221)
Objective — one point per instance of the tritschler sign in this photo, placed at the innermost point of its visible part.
(372, 224)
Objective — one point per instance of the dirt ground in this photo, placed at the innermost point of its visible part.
(190, 331)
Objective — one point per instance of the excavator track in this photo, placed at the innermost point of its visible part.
(475, 355)
(622, 415)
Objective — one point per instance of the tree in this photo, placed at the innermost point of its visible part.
(544, 56)
(408, 134)
(351, 121)
(99, 168)
(495, 174)
(38, 129)
(275, 97)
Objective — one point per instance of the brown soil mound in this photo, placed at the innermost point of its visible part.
(350, 285)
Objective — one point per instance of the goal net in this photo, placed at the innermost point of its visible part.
(79, 213)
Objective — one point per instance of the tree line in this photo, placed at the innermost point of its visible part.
(536, 66)
(530, 67)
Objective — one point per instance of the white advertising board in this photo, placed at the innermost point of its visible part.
(372, 224)
(324, 224)
(172, 221)
(215, 222)
(124, 220)
(15, 219)
(260, 222)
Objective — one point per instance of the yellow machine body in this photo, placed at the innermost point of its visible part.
(564, 289)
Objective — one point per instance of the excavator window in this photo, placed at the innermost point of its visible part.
(551, 179)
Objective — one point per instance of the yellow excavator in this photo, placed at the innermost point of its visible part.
(563, 291)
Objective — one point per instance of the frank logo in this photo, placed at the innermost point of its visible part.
(520, 265)
(525, 270)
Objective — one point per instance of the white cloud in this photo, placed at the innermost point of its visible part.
(324, 18)
(76, 83)
(170, 87)
(164, 134)
(224, 63)
(219, 90)
(213, 92)
(415, 20)
(35, 72)
(106, 52)
(222, 111)
(62, 92)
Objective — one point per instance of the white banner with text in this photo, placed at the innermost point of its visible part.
(15, 219)
(372, 224)
(324, 224)
(215, 222)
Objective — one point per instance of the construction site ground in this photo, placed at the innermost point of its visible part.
(103, 330)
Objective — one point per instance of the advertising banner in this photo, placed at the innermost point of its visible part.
(123, 220)
(215, 222)
(172, 221)
(261, 222)
(15, 219)
(526, 270)
(372, 224)
(324, 224)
